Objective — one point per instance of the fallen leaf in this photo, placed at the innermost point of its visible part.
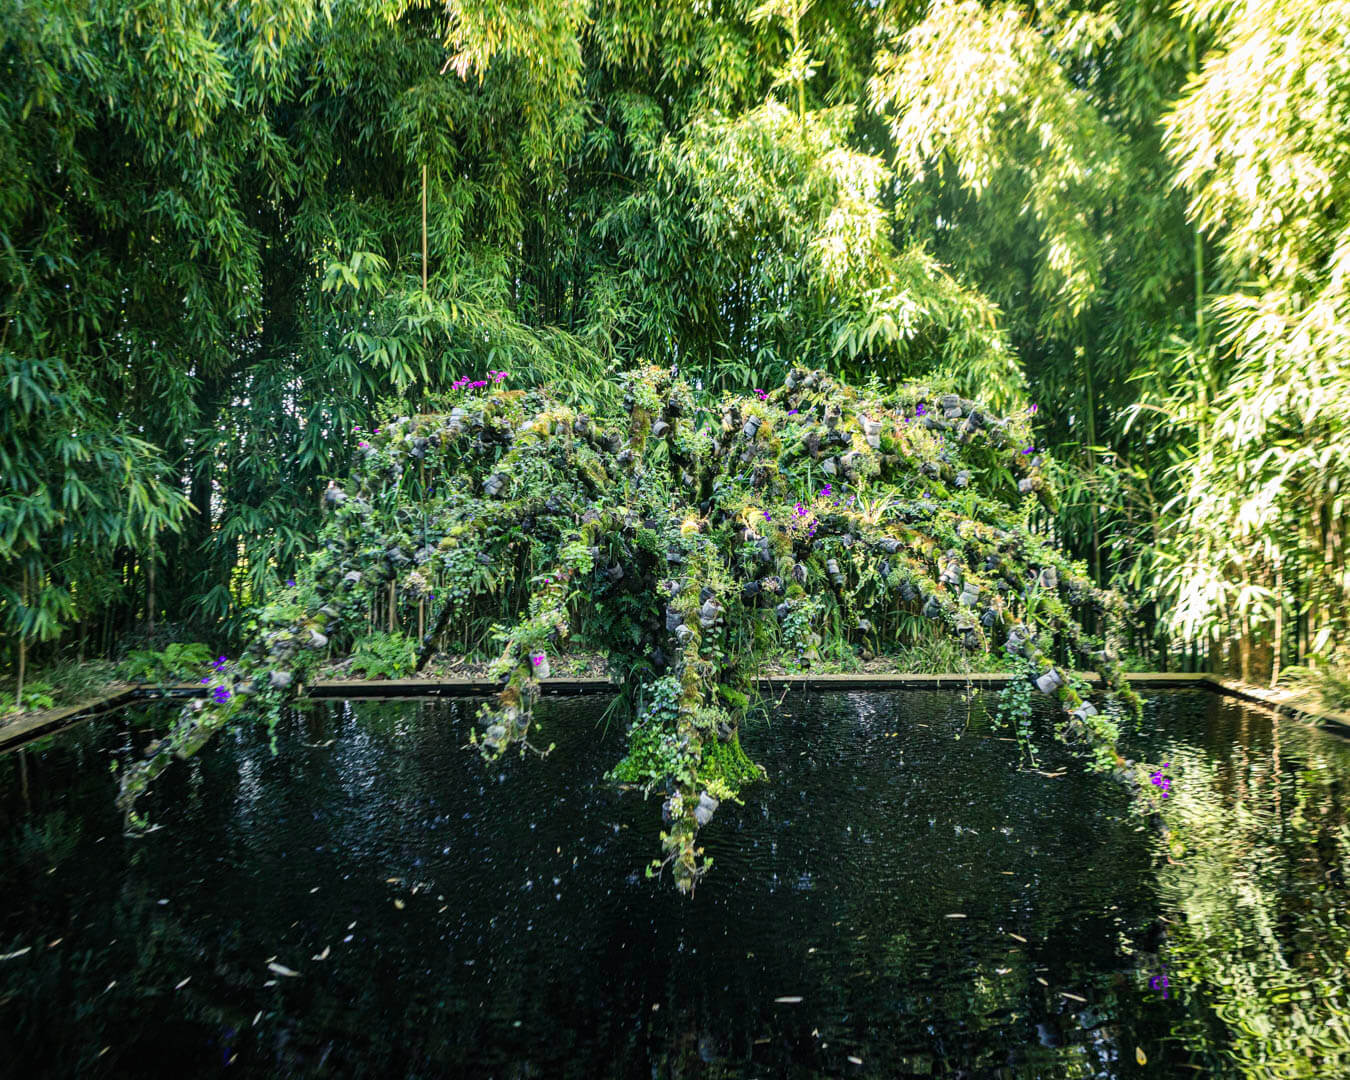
(788, 1000)
(282, 969)
(1140, 1056)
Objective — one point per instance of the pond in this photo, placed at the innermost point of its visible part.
(900, 899)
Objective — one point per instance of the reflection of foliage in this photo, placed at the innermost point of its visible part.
(381, 655)
(1262, 938)
(666, 535)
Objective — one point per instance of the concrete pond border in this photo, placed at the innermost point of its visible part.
(1282, 702)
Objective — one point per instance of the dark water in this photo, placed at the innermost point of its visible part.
(448, 920)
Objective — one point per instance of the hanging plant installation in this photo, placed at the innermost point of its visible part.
(782, 515)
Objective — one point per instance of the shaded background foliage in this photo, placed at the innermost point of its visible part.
(212, 267)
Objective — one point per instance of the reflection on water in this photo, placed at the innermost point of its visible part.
(896, 901)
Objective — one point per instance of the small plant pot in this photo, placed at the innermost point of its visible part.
(1083, 711)
(1049, 579)
(751, 427)
(830, 468)
(1049, 681)
(932, 609)
(683, 634)
(1025, 485)
(659, 429)
(705, 809)
(963, 478)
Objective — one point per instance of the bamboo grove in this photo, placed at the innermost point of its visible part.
(713, 524)
(233, 234)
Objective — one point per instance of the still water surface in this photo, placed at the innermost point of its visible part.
(447, 919)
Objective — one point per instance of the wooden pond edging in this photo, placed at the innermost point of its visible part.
(52, 720)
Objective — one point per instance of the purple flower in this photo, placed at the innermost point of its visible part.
(766, 516)
(290, 581)
(363, 445)
(538, 659)
(918, 410)
(206, 680)
(357, 427)
(792, 412)
(222, 695)
(1032, 410)
(1029, 450)
(826, 490)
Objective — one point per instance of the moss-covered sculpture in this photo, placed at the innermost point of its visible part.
(783, 514)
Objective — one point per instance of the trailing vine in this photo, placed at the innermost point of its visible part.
(708, 532)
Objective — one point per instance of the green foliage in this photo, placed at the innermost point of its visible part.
(37, 694)
(384, 656)
(1329, 682)
(176, 662)
(688, 537)
(1015, 708)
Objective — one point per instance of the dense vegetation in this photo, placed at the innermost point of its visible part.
(233, 234)
(690, 547)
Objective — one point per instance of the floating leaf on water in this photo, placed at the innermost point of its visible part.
(183, 983)
(282, 969)
(1140, 1056)
(1073, 997)
(1019, 937)
(788, 1000)
(15, 955)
